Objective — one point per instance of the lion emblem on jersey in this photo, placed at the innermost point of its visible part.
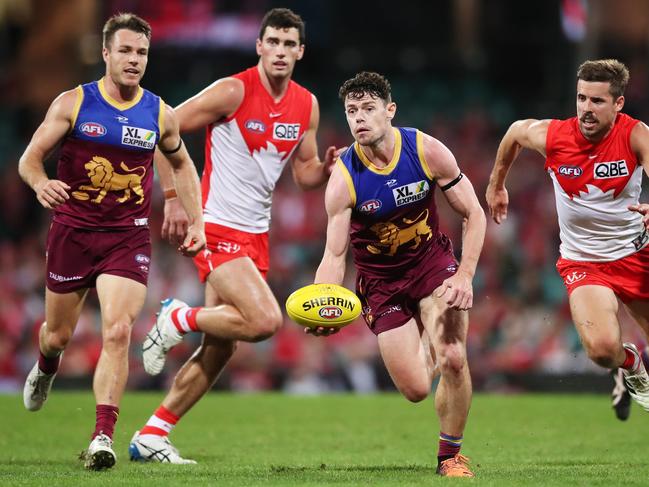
(391, 237)
(104, 179)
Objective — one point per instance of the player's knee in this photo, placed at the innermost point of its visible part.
(603, 351)
(416, 392)
(117, 336)
(265, 325)
(57, 341)
(452, 358)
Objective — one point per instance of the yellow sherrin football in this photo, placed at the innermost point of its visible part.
(327, 305)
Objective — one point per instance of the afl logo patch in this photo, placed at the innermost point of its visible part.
(370, 206)
(570, 171)
(256, 126)
(92, 129)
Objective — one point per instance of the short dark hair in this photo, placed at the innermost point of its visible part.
(125, 21)
(282, 18)
(610, 70)
(366, 82)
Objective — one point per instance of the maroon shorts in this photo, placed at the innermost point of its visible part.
(390, 303)
(76, 257)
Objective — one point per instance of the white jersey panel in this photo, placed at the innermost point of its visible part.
(595, 225)
(241, 184)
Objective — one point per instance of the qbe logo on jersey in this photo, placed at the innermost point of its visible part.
(410, 192)
(138, 137)
(286, 131)
(613, 169)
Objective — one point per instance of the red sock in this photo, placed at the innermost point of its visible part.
(184, 319)
(106, 419)
(161, 423)
(631, 360)
(48, 365)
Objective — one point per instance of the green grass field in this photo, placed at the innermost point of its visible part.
(343, 440)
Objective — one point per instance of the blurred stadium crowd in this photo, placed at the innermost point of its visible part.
(520, 322)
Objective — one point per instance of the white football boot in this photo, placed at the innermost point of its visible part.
(637, 381)
(37, 387)
(162, 337)
(153, 448)
(100, 454)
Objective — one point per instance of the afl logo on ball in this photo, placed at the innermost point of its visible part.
(330, 312)
(92, 129)
(256, 126)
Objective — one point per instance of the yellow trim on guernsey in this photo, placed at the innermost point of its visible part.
(76, 107)
(395, 157)
(161, 119)
(422, 157)
(120, 106)
(348, 180)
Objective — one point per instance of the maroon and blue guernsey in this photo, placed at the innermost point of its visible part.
(394, 223)
(106, 159)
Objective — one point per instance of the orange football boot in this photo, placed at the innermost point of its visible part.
(457, 466)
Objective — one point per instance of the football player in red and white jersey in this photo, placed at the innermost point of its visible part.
(257, 121)
(595, 161)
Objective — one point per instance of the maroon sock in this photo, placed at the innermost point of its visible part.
(106, 419)
(48, 365)
(449, 446)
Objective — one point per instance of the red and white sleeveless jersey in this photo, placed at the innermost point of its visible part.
(246, 153)
(594, 183)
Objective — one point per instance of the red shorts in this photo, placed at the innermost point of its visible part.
(76, 257)
(628, 277)
(225, 244)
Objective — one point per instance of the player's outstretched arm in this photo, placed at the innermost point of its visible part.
(186, 183)
(522, 134)
(338, 203)
(457, 291)
(57, 123)
(309, 171)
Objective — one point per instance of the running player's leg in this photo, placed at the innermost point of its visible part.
(249, 312)
(594, 310)
(121, 300)
(192, 382)
(408, 360)
(62, 312)
(447, 329)
(241, 306)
